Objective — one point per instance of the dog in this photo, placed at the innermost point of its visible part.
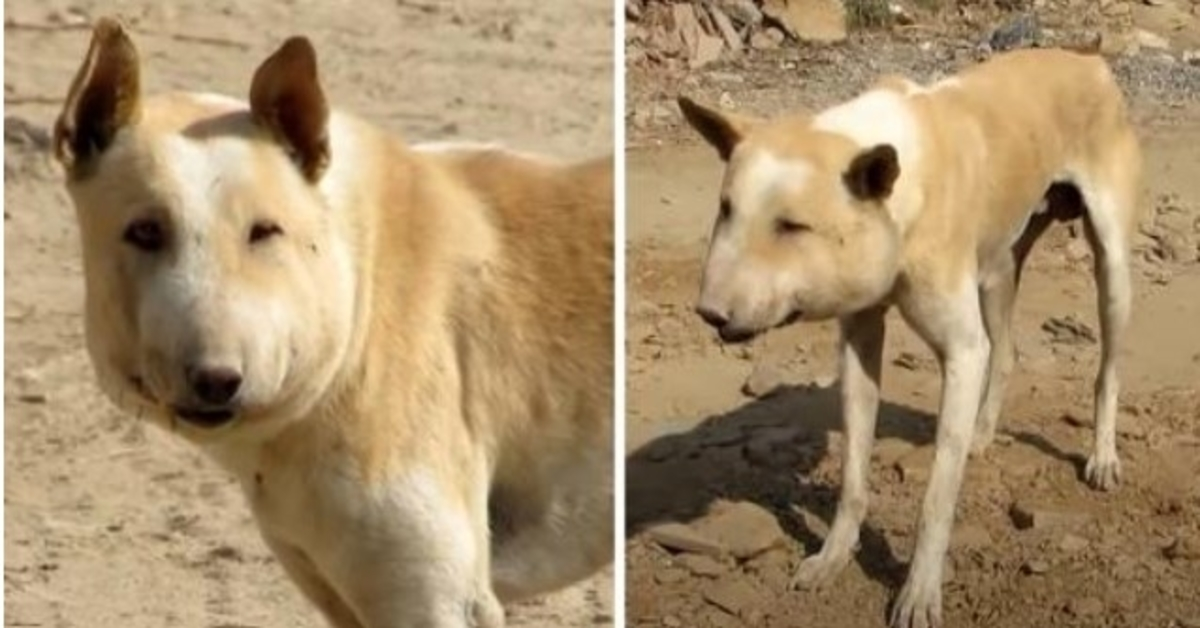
(926, 198)
(404, 355)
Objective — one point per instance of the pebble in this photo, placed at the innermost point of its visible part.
(744, 529)
(1025, 516)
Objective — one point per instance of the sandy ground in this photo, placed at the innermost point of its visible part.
(109, 524)
(698, 444)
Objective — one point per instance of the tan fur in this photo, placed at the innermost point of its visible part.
(927, 198)
(426, 345)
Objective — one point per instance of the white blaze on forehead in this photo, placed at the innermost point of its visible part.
(196, 169)
(759, 176)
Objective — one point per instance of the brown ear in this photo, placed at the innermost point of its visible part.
(286, 99)
(105, 96)
(722, 130)
(873, 173)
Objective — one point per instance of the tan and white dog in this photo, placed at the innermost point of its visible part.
(406, 357)
(928, 199)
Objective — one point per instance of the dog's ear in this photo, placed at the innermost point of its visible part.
(286, 99)
(104, 98)
(721, 129)
(872, 173)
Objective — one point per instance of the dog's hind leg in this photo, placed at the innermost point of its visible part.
(1111, 197)
(564, 540)
(861, 367)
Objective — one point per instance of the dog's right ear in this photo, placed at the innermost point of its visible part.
(720, 129)
(104, 98)
(286, 98)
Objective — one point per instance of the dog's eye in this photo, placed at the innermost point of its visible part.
(146, 235)
(783, 226)
(264, 229)
(725, 211)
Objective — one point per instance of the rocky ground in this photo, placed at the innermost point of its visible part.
(109, 524)
(735, 453)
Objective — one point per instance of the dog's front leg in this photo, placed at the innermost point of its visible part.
(861, 365)
(955, 329)
(312, 585)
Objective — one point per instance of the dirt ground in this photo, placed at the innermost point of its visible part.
(754, 478)
(109, 524)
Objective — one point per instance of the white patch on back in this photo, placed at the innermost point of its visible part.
(876, 117)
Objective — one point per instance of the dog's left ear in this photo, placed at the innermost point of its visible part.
(286, 99)
(873, 173)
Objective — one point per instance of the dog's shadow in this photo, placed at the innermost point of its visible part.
(764, 452)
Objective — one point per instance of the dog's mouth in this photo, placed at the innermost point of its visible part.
(731, 334)
(205, 417)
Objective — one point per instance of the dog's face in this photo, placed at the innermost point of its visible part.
(801, 230)
(218, 293)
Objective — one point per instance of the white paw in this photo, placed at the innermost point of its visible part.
(917, 607)
(819, 569)
(1103, 471)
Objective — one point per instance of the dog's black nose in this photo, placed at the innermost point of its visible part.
(215, 385)
(712, 316)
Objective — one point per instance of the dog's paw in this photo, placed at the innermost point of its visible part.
(981, 442)
(818, 570)
(917, 607)
(1103, 471)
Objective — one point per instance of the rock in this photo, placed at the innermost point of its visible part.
(682, 538)
(1035, 567)
(1183, 548)
(1069, 330)
(916, 465)
(1116, 43)
(908, 361)
(969, 536)
(766, 39)
(707, 49)
(764, 381)
(822, 21)
(736, 597)
(633, 10)
(670, 576)
(745, 529)
(742, 12)
(1152, 41)
(889, 451)
(1192, 57)
(701, 565)
(23, 133)
(1072, 544)
(1085, 607)
(733, 41)
(1021, 32)
(671, 621)
(1027, 515)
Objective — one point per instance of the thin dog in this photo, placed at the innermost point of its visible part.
(405, 356)
(926, 198)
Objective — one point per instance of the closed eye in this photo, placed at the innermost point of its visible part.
(784, 226)
(264, 230)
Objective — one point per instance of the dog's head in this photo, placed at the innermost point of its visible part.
(801, 231)
(218, 290)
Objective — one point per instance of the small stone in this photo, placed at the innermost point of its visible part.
(825, 381)
(1069, 330)
(889, 451)
(1085, 607)
(970, 536)
(1072, 544)
(671, 621)
(764, 381)
(1022, 32)
(907, 360)
(1025, 516)
(733, 41)
(766, 39)
(744, 528)
(679, 537)
(809, 20)
(701, 565)
(1191, 57)
(1183, 548)
(670, 576)
(736, 597)
(1035, 567)
(1152, 41)
(743, 12)
(916, 465)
